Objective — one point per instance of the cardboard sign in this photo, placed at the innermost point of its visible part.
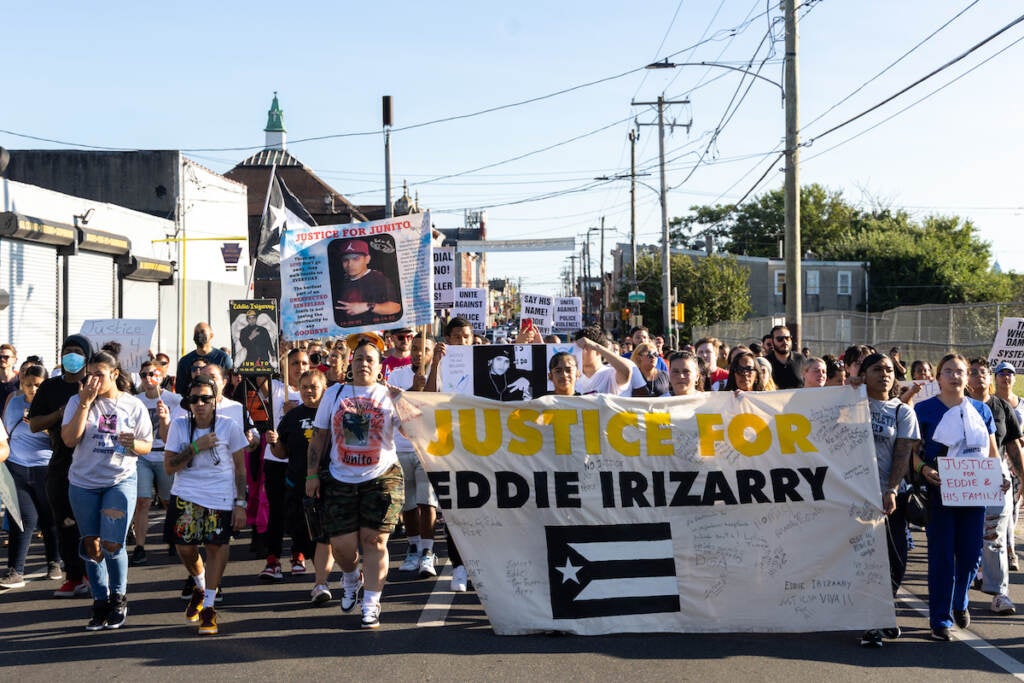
(134, 336)
(1008, 344)
(538, 308)
(568, 313)
(971, 482)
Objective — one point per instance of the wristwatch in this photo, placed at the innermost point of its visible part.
(894, 490)
(370, 307)
(240, 503)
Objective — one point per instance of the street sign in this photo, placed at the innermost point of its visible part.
(637, 297)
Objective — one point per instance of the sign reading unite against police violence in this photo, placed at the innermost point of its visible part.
(356, 277)
(716, 513)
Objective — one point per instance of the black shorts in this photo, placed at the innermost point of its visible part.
(192, 524)
(374, 504)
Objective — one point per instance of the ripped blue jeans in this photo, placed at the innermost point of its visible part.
(105, 514)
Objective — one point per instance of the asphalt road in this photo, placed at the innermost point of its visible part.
(271, 632)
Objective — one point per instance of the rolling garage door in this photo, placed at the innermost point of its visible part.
(91, 286)
(30, 322)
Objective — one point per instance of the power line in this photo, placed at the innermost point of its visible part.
(918, 82)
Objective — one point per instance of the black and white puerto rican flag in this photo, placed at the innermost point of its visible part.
(610, 570)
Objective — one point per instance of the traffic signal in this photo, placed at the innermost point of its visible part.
(679, 313)
(625, 314)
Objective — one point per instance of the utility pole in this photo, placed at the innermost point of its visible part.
(604, 302)
(794, 279)
(386, 107)
(633, 135)
(572, 261)
(666, 245)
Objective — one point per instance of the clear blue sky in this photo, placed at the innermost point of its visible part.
(195, 75)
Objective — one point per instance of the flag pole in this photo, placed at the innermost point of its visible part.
(263, 218)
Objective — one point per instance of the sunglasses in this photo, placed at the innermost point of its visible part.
(6, 357)
(149, 374)
(205, 399)
(197, 368)
(1006, 373)
(745, 370)
(782, 339)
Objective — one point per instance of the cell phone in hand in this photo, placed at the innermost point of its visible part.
(526, 325)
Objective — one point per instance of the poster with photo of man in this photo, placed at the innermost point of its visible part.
(502, 372)
(254, 334)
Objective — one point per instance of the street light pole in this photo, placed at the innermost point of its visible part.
(794, 278)
(632, 201)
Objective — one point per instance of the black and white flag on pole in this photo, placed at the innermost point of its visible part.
(611, 570)
(284, 211)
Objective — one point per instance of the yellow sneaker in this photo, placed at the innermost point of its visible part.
(195, 605)
(208, 622)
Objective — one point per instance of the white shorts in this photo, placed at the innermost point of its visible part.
(418, 490)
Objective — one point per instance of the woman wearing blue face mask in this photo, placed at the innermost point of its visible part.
(109, 429)
(45, 414)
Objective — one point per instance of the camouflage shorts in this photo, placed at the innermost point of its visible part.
(374, 504)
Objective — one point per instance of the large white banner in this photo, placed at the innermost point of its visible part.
(716, 513)
(357, 277)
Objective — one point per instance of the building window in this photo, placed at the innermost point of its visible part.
(844, 285)
(780, 282)
(813, 280)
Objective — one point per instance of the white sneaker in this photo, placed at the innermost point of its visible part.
(371, 616)
(460, 579)
(320, 594)
(427, 565)
(1001, 604)
(412, 562)
(350, 595)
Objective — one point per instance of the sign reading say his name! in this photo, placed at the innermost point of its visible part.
(538, 308)
(971, 482)
(596, 515)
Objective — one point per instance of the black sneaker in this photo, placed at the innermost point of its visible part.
(892, 633)
(220, 595)
(962, 618)
(100, 612)
(872, 638)
(186, 588)
(138, 557)
(118, 611)
(941, 633)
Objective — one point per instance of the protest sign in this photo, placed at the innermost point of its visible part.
(254, 336)
(471, 303)
(1008, 344)
(501, 372)
(134, 336)
(568, 313)
(357, 277)
(971, 482)
(444, 277)
(595, 515)
(537, 307)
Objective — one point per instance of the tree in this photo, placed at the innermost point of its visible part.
(712, 288)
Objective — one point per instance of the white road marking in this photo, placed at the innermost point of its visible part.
(970, 638)
(436, 610)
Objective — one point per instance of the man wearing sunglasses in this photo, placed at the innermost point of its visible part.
(401, 352)
(787, 367)
(206, 454)
(8, 375)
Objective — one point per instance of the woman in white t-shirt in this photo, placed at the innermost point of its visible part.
(363, 495)
(108, 429)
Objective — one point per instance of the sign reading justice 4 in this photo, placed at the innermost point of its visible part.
(601, 515)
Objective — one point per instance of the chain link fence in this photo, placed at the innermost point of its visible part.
(926, 332)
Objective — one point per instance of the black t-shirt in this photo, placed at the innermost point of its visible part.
(788, 375)
(655, 387)
(1007, 426)
(53, 394)
(184, 376)
(295, 431)
(8, 388)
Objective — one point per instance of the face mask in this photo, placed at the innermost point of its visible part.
(200, 338)
(72, 362)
